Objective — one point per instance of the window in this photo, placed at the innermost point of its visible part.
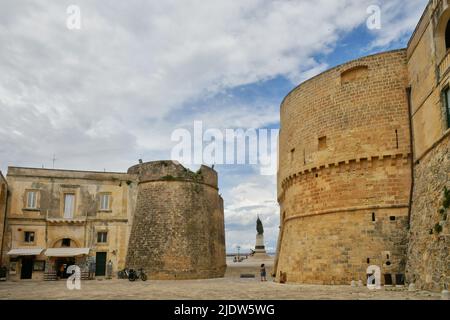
(105, 202)
(392, 218)
(29, 236)
(322, 143)
(31, 199)
(396, 138)
(447, 105)
(65, 243)
(39, 266)
(292, 154)
(102, 237)
(388, 279)
(373, 217)
(69, 205)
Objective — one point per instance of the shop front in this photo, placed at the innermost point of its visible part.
(26, 264)
(59, 259)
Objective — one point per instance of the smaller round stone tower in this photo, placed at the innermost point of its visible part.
(178, 227)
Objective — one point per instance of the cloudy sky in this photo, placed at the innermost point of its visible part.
(105, 95)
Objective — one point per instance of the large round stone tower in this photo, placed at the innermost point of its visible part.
(344, 176)
(178, 225)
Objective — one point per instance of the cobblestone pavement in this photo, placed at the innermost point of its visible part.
(220, 289)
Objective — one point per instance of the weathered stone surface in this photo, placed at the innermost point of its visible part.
(3, 198)
(331, 178)
(231, 288)
(428, 252)
(47, 220)
(178, 228)
(345, 172)
(428, 69)
(179, 232)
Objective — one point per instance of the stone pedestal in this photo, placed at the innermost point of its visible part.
(260, 247)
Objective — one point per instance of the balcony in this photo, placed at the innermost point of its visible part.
(444, 66)
(66, 221)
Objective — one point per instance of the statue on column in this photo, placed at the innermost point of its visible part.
(260, 248)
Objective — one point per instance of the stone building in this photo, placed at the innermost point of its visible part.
(3, 197)
(178, 230)
(58, 218)
(364, 159)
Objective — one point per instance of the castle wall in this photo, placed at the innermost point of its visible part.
(178, 231)
(428, 253)
(344, 162)
(428, 67)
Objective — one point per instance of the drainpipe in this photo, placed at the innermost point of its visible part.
(411, 138)
(46, 229)
(85, 232)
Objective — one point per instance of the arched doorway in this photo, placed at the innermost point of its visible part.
(62, 260)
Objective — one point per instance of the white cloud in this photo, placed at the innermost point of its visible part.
(243, 203)
(135, 62)
(112, 92)
(398, 18)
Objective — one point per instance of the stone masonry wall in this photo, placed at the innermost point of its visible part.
(178, 228)
(337, 248)
(345, 172)
(429, 252)
(429, 76)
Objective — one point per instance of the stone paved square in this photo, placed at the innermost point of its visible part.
(216, 289)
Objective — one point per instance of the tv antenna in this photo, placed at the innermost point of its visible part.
(54, 160)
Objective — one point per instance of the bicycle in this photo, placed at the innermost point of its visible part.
(135, 275)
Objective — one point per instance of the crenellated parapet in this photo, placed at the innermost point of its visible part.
(365, 162)
(173, 171)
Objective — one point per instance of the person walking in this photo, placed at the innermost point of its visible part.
(263, 272)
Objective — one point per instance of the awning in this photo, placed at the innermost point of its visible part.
(66, 252)
(25, 252)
